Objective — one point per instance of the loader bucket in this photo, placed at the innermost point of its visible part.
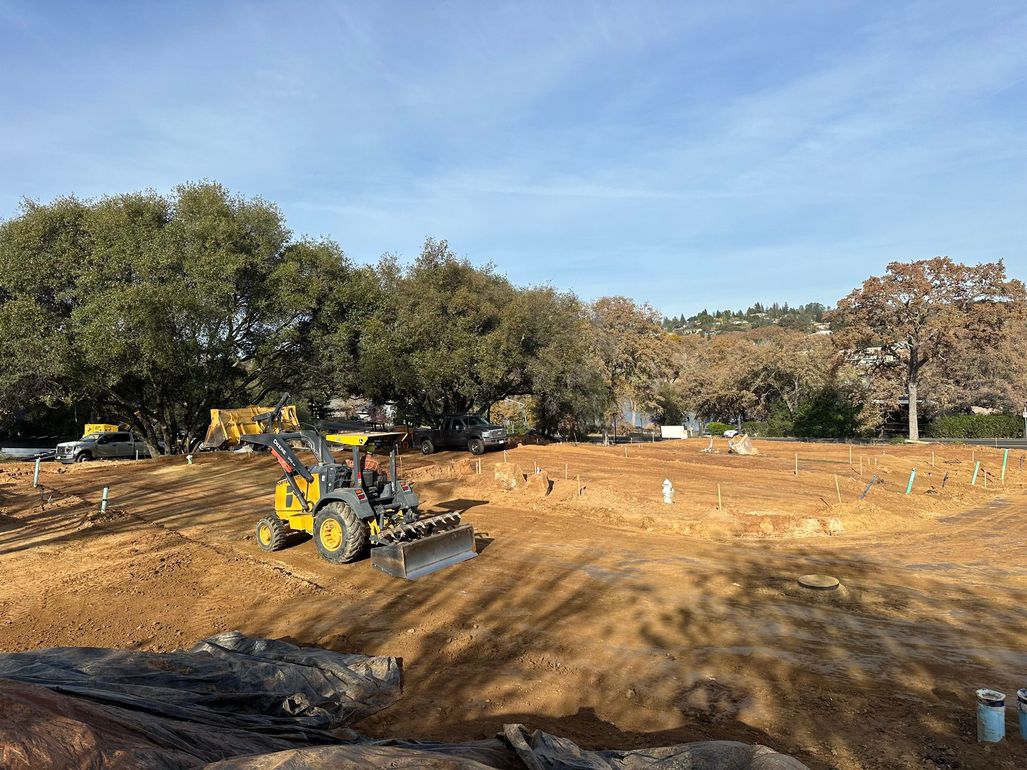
(415, 558)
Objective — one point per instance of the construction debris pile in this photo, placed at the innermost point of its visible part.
(741, 445)
(240, 703)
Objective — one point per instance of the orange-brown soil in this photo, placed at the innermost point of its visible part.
(605, 616)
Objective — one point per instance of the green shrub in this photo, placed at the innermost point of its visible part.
(718, 428)
(975, 426)
(828, 413)
(897, 440)
(777, 425)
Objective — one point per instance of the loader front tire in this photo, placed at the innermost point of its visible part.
(271, 534)
(339, 534)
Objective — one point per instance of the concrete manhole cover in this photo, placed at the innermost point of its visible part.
(819, 582)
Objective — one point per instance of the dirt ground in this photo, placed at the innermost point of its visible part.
(605, 616)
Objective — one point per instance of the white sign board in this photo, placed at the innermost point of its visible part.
(673, 431)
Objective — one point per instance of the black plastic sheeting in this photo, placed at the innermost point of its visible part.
(239, 703)
(517, 749)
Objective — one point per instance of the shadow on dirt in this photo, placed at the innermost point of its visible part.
(459, 504)
(618, 638)
(879, 673)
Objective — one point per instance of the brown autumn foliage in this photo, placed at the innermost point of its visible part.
(751, 373)
(931, 318)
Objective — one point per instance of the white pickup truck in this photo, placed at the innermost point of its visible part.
(102, 446)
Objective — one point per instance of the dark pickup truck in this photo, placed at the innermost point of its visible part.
(461, 431)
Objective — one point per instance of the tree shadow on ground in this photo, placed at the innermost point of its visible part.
(633, 648)
(620, 639)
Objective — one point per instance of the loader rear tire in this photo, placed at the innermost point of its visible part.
(339, 534)
(271, 534)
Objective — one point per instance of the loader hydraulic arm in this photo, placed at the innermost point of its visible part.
(278, 444)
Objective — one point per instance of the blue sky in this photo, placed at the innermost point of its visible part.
(686, 154)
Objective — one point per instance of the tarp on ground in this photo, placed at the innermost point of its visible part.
(230, 694)
(518, 749)
(239, 703)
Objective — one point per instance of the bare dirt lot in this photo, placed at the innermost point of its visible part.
(608, 616)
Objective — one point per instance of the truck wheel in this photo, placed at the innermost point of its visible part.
(426, 446)
(83, 457)
(476, 445)
(339, 534)
(271, 532)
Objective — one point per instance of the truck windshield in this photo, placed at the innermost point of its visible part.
(475, 420)
(90, 436)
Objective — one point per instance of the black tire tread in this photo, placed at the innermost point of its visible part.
(279, 532)
(357, 536)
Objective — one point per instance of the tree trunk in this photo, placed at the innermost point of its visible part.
(169, 440)
(914, 425)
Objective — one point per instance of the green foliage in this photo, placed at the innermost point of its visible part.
(449, 337)
(756, 316)
(829, 413)
(976, 426)
(158, 308)
(717, 428)
(33, 352)
(779, 424)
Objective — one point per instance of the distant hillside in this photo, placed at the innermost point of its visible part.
(803, 317)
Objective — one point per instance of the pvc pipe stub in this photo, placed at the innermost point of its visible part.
(819, 582)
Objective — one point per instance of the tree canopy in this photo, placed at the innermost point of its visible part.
(925, 314)
(153, 309)
(447, 337)
(165, 306)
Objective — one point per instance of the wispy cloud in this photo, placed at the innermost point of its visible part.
(674, 151)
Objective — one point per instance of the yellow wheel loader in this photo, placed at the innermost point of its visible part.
(350, 508)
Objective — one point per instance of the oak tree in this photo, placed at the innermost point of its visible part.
(919, 315)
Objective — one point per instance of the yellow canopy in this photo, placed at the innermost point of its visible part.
(360, 439)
